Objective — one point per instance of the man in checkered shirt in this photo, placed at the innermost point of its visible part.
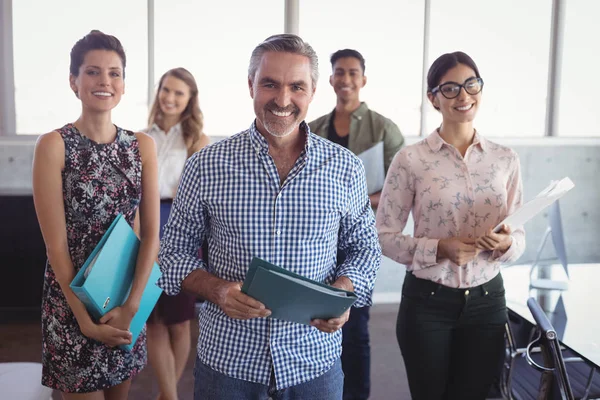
(281, 193)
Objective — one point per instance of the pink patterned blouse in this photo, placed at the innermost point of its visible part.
(449, 196)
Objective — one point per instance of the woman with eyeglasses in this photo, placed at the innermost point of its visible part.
(459, 186)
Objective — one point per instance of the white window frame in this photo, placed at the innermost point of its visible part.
(291, 25)
(7, 76)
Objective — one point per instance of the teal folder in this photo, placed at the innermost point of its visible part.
(104, 281)
(293, 297)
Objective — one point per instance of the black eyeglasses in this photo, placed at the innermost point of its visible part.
(450, 90)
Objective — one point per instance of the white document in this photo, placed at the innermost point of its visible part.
(372, 159)
(549, 195)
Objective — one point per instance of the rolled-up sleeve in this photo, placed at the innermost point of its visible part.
(185, 231)
(358, 239)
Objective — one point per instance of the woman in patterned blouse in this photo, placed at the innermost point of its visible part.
(458, 186)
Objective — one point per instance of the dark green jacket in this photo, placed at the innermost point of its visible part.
(367, 128)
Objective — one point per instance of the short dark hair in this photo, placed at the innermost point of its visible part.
(95, 40)
(348, 53)
(446, 62)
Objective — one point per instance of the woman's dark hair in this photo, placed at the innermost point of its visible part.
(95, 40)
(446, 62)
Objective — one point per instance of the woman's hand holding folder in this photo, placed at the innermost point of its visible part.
(491, 241)
(109, 335)
(119, 317)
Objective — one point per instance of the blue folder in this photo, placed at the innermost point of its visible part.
(292, 297)
(104, 281)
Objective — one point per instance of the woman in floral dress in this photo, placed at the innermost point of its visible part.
(84, 175)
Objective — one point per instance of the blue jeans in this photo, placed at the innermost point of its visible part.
(356, 355)
(212, 385)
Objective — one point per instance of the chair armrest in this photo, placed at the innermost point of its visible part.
(541, 319)
(530, 360)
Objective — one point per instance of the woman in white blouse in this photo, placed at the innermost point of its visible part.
(175, 123)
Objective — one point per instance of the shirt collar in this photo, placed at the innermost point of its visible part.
(261, 145)
(361, 111)
(481, 141)
(358, 114)
(155, 128)
(435, 141)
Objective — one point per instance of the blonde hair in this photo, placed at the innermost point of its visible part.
(192, 120)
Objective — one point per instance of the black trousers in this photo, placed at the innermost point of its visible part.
(356, 355)
(451, 339)
(356, 351)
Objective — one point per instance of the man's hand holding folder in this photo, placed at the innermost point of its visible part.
(295, 298)
(225, 294)
(239, 305)
(244, 301)
(333, 324)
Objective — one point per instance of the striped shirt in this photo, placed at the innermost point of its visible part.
(230, 194)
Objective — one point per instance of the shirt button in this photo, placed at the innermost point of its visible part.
(278, 232)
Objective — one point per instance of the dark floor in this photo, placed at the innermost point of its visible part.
(21, 342)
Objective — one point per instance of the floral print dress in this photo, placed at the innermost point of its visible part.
(99, 182)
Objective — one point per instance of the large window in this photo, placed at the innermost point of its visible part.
(44, 33)
(580, 81)
(509, 41)
(214, 40)
(389, 34)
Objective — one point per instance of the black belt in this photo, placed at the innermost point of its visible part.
(166, 201)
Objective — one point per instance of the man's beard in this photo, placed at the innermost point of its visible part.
(279, 128)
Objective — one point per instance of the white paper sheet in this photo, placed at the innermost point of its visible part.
(372, 160)
(549, 195)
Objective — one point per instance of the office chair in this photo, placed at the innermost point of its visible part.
(551, 355)
(555, 231)
(517, 382)
(543, 369)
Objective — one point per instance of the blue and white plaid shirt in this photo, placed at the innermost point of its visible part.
(230, 194)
